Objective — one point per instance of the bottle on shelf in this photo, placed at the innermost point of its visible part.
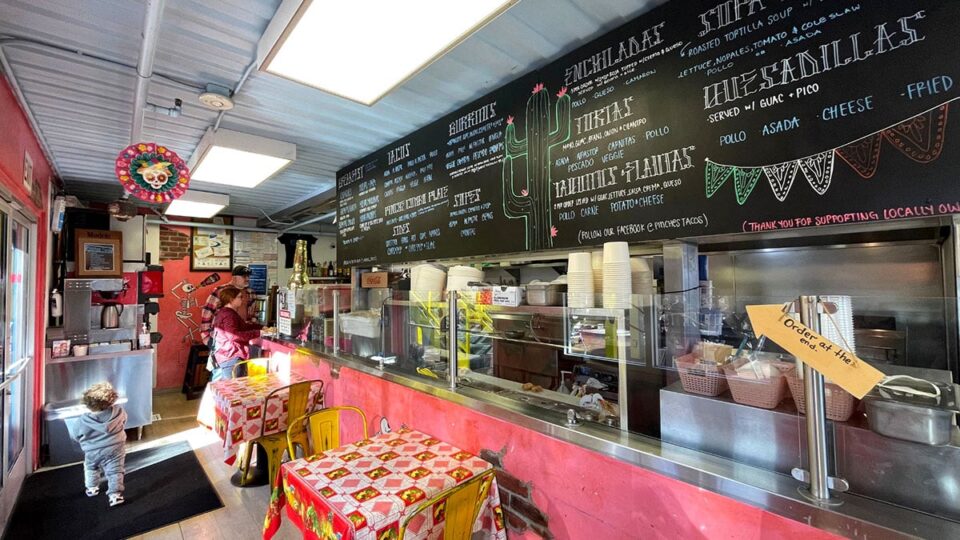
(330, 270)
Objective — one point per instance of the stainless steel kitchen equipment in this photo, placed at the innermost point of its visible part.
(130, 373)
(94, 318)
(545, 294)
(913, 475)
(79, 312)
(923, 419)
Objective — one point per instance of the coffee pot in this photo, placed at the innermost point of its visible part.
(110, 315)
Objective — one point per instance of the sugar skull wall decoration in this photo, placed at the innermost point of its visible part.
(152, 173)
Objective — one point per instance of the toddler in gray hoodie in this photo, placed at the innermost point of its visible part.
(101, 436)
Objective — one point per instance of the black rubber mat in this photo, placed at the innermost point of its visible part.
(164, 485)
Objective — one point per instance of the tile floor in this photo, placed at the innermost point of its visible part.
(242, 516)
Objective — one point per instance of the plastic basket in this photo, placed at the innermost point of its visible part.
(840, 403)
(762, 393)
(697, 378)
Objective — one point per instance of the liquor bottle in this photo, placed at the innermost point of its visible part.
(299, 278)
(330, 270)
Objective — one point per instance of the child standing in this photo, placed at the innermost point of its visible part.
(101, 436)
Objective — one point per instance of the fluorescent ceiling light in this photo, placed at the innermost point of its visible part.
(199, 204)
(238, 159)
(362, 49)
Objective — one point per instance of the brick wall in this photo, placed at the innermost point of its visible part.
(174, 245)
(516, 499)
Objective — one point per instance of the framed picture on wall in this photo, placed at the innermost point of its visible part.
(98, 253)
(211, 249)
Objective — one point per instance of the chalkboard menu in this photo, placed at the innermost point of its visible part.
(697, 118)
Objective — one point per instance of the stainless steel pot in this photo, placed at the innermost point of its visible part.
(912, 418)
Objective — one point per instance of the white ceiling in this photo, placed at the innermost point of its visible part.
(83, 104)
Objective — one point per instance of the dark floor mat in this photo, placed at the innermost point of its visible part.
(164, 485)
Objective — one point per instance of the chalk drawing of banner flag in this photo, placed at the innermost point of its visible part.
(920, 138)
(744, 180)
(818, 169)
(781, 177)
(863, 155)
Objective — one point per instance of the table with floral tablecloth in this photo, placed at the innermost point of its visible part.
(233, 408)
(365, 490)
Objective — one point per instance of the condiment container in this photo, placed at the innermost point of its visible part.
(541, 293)
(920, 419)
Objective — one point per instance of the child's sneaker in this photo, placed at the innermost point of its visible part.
(116, 499)
(93, 492)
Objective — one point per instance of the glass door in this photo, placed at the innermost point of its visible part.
(17, 314)
(21, 341)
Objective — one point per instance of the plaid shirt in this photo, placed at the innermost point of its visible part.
(209, 310)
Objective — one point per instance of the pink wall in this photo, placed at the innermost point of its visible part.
(173, 351)
(584, 493)
(18, 138)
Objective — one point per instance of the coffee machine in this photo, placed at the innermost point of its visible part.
(93, 314)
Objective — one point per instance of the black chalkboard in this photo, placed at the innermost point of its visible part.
(697, 118)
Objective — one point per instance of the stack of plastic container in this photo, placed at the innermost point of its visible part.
(460, 277)
(428, 278)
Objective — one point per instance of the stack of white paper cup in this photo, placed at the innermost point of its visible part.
(616, 275)
(580, 289)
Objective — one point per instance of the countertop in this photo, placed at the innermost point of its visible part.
(768, 490)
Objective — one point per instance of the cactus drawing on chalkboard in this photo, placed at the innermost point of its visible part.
(528, 196)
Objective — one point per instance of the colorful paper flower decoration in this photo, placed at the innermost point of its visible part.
(152, 173)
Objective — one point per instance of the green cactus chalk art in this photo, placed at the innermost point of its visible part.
(533, 201)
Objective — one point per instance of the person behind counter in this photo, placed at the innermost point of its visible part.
(240, 279)
(231, 333)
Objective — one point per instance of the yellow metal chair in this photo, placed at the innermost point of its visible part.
(255, 366)
(275, 444)
(324, 430)
(460, 511)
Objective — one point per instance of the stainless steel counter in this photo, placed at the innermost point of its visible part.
(913, 475)
(130, 372)
(857, 517)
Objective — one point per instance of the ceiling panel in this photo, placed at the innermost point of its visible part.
(83, 104)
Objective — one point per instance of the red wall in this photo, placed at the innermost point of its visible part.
(584, 493)
(173, 351)
(17, 138)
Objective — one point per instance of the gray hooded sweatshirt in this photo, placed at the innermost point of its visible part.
(96, 430)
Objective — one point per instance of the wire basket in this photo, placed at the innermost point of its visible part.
(697, 378)
(840, 404)
(762, 393)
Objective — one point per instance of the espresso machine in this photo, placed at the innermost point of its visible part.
(93, 314)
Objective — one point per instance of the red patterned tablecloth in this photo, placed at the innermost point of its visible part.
(232, 408)
(365, 490)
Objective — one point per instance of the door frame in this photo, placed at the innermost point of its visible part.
(13, 477)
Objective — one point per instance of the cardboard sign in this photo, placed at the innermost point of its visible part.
(842, 367)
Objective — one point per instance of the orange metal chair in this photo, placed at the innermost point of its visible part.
(461, 508)
(275, 444)
(319, 431)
